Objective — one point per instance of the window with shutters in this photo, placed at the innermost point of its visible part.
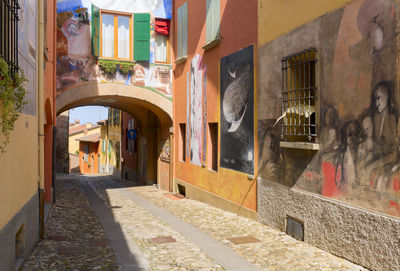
(112, 34)
(212, 24)
(182, 27)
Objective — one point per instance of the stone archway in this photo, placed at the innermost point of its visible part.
(140, 102)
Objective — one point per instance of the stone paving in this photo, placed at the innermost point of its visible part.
(74, 238)
(163, 247)
(275, 251)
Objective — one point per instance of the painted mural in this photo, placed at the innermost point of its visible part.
(195, 109)
(237, 111)
(27, 50)
(204, 100)
(359, 157)
(77, 65)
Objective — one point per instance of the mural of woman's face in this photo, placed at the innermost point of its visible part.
(381, 98)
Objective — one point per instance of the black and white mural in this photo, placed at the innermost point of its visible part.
(237, 111)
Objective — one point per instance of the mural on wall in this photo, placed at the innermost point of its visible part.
(204, 146)
(77, 65)
(160, 8)
(27, 51)
(165, 147)
(237, 111)
(187, 114)
(195, 110)
(359, 157)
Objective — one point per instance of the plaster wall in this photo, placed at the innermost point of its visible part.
(228, 184)
(361, 236)
(346, 193)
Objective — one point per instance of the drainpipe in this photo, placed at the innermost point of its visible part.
(40, 69)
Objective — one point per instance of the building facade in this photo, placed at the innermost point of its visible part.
(214, 92)
(327, 118)
(24, 191)
(121, 58)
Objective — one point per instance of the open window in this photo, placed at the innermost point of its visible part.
(162, 28)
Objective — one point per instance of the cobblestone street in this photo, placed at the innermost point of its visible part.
(163, 232)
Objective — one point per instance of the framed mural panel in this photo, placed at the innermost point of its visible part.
(237, 111)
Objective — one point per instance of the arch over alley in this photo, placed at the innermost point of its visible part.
(150, 108)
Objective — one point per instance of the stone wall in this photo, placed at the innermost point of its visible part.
(62, 157)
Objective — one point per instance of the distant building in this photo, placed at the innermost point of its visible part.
(89, 153)
(78, 130)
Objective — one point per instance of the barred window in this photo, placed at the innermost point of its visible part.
(9, 33)
(299, 96)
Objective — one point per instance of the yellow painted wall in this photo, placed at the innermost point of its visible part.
(103, 136)
(73, 144)
(114, 134)
(19, 168)
(277, 17)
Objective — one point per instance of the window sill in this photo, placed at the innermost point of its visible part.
(211, 44)
(300, 145)
(118, 59)
(181, 59)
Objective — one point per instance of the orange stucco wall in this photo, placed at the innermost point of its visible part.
(236, 33)
(49, 95)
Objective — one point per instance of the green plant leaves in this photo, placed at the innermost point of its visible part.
(12, 100)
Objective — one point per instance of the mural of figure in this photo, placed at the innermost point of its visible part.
(77, 32)
(271, 160)
(195, 110)
(384, 116)
(329, 136)
(366, 148)
(237, 111)
(346, 161)
(376, 23)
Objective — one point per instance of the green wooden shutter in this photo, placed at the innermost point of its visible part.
(141, 26)
(179, 32)
(185, 29)
(212, 20)
(182, 31)
(95, 31)
(209, 21)
(216, 18)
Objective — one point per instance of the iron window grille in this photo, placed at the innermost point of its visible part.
(299, 96)
(9, 33)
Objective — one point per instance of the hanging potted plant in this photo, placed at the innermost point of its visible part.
(12, 100)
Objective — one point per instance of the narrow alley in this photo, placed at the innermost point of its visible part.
(106, 223)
